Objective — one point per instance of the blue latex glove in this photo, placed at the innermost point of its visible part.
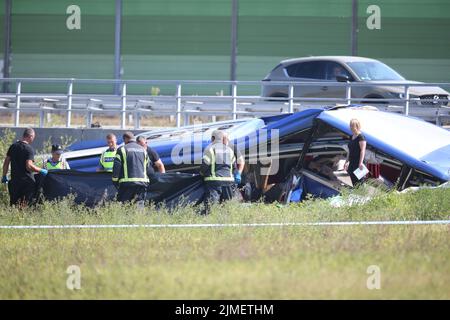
(237, 177)
(4, 179)
(43, 172)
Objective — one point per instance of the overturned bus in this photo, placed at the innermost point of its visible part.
(287, 157)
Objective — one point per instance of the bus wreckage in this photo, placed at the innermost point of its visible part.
(288, 157)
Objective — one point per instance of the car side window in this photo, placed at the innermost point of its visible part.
(334, 69)
(307, 70)
(292, 70)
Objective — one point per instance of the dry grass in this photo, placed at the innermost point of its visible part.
(287, 263)
(230, 263)
(78, 120)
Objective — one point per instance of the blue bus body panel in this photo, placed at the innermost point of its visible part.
(419, 144)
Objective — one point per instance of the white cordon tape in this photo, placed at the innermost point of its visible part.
(226, 225)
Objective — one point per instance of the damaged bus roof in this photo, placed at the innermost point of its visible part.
(418, 144)
(404, 144)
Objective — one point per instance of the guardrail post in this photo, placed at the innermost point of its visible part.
(348, 93)
(69, 104)
(291, 98)
(178, 102)
(17, 113)
(41, 116)
(88, 118)
(124, 106)
(234, 100)
(406, 111)
(137, 120)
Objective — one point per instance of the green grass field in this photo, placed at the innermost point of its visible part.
(235, 263)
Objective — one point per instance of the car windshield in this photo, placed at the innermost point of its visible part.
(374, 71)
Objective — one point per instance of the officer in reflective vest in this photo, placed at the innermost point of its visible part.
(219, 170)
(107, 158)
(56, 162)
(130, 171)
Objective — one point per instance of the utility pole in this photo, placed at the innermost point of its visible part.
(354, 31)
(117, 45)
(234, 35)
(7, 44)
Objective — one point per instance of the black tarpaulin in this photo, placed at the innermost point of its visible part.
(169, 189)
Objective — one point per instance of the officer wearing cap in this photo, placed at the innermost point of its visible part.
(130, 170)
(219, 170)
(56, 162)
(107, 158)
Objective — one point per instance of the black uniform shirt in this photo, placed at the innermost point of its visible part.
(355, 149)
(20, 152)
(152, 155)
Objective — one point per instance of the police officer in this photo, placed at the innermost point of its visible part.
(56, 162)
(218, 170)
(130, 170)
(107, 158)
(21, 157)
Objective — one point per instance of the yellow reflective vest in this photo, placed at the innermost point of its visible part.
(107, 160)
(218, 163)
(60, 165)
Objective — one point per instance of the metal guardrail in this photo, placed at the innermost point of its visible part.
(182, 106)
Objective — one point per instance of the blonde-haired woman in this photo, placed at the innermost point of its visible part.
(356, 151)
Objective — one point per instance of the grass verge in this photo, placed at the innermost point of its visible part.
(231, 263)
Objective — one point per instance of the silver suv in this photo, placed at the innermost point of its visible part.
(328, 69)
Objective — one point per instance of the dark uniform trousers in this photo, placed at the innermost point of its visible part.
(131, 193)
(217, 192)
(21, 191)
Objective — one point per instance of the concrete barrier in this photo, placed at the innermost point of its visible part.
(58, 135)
